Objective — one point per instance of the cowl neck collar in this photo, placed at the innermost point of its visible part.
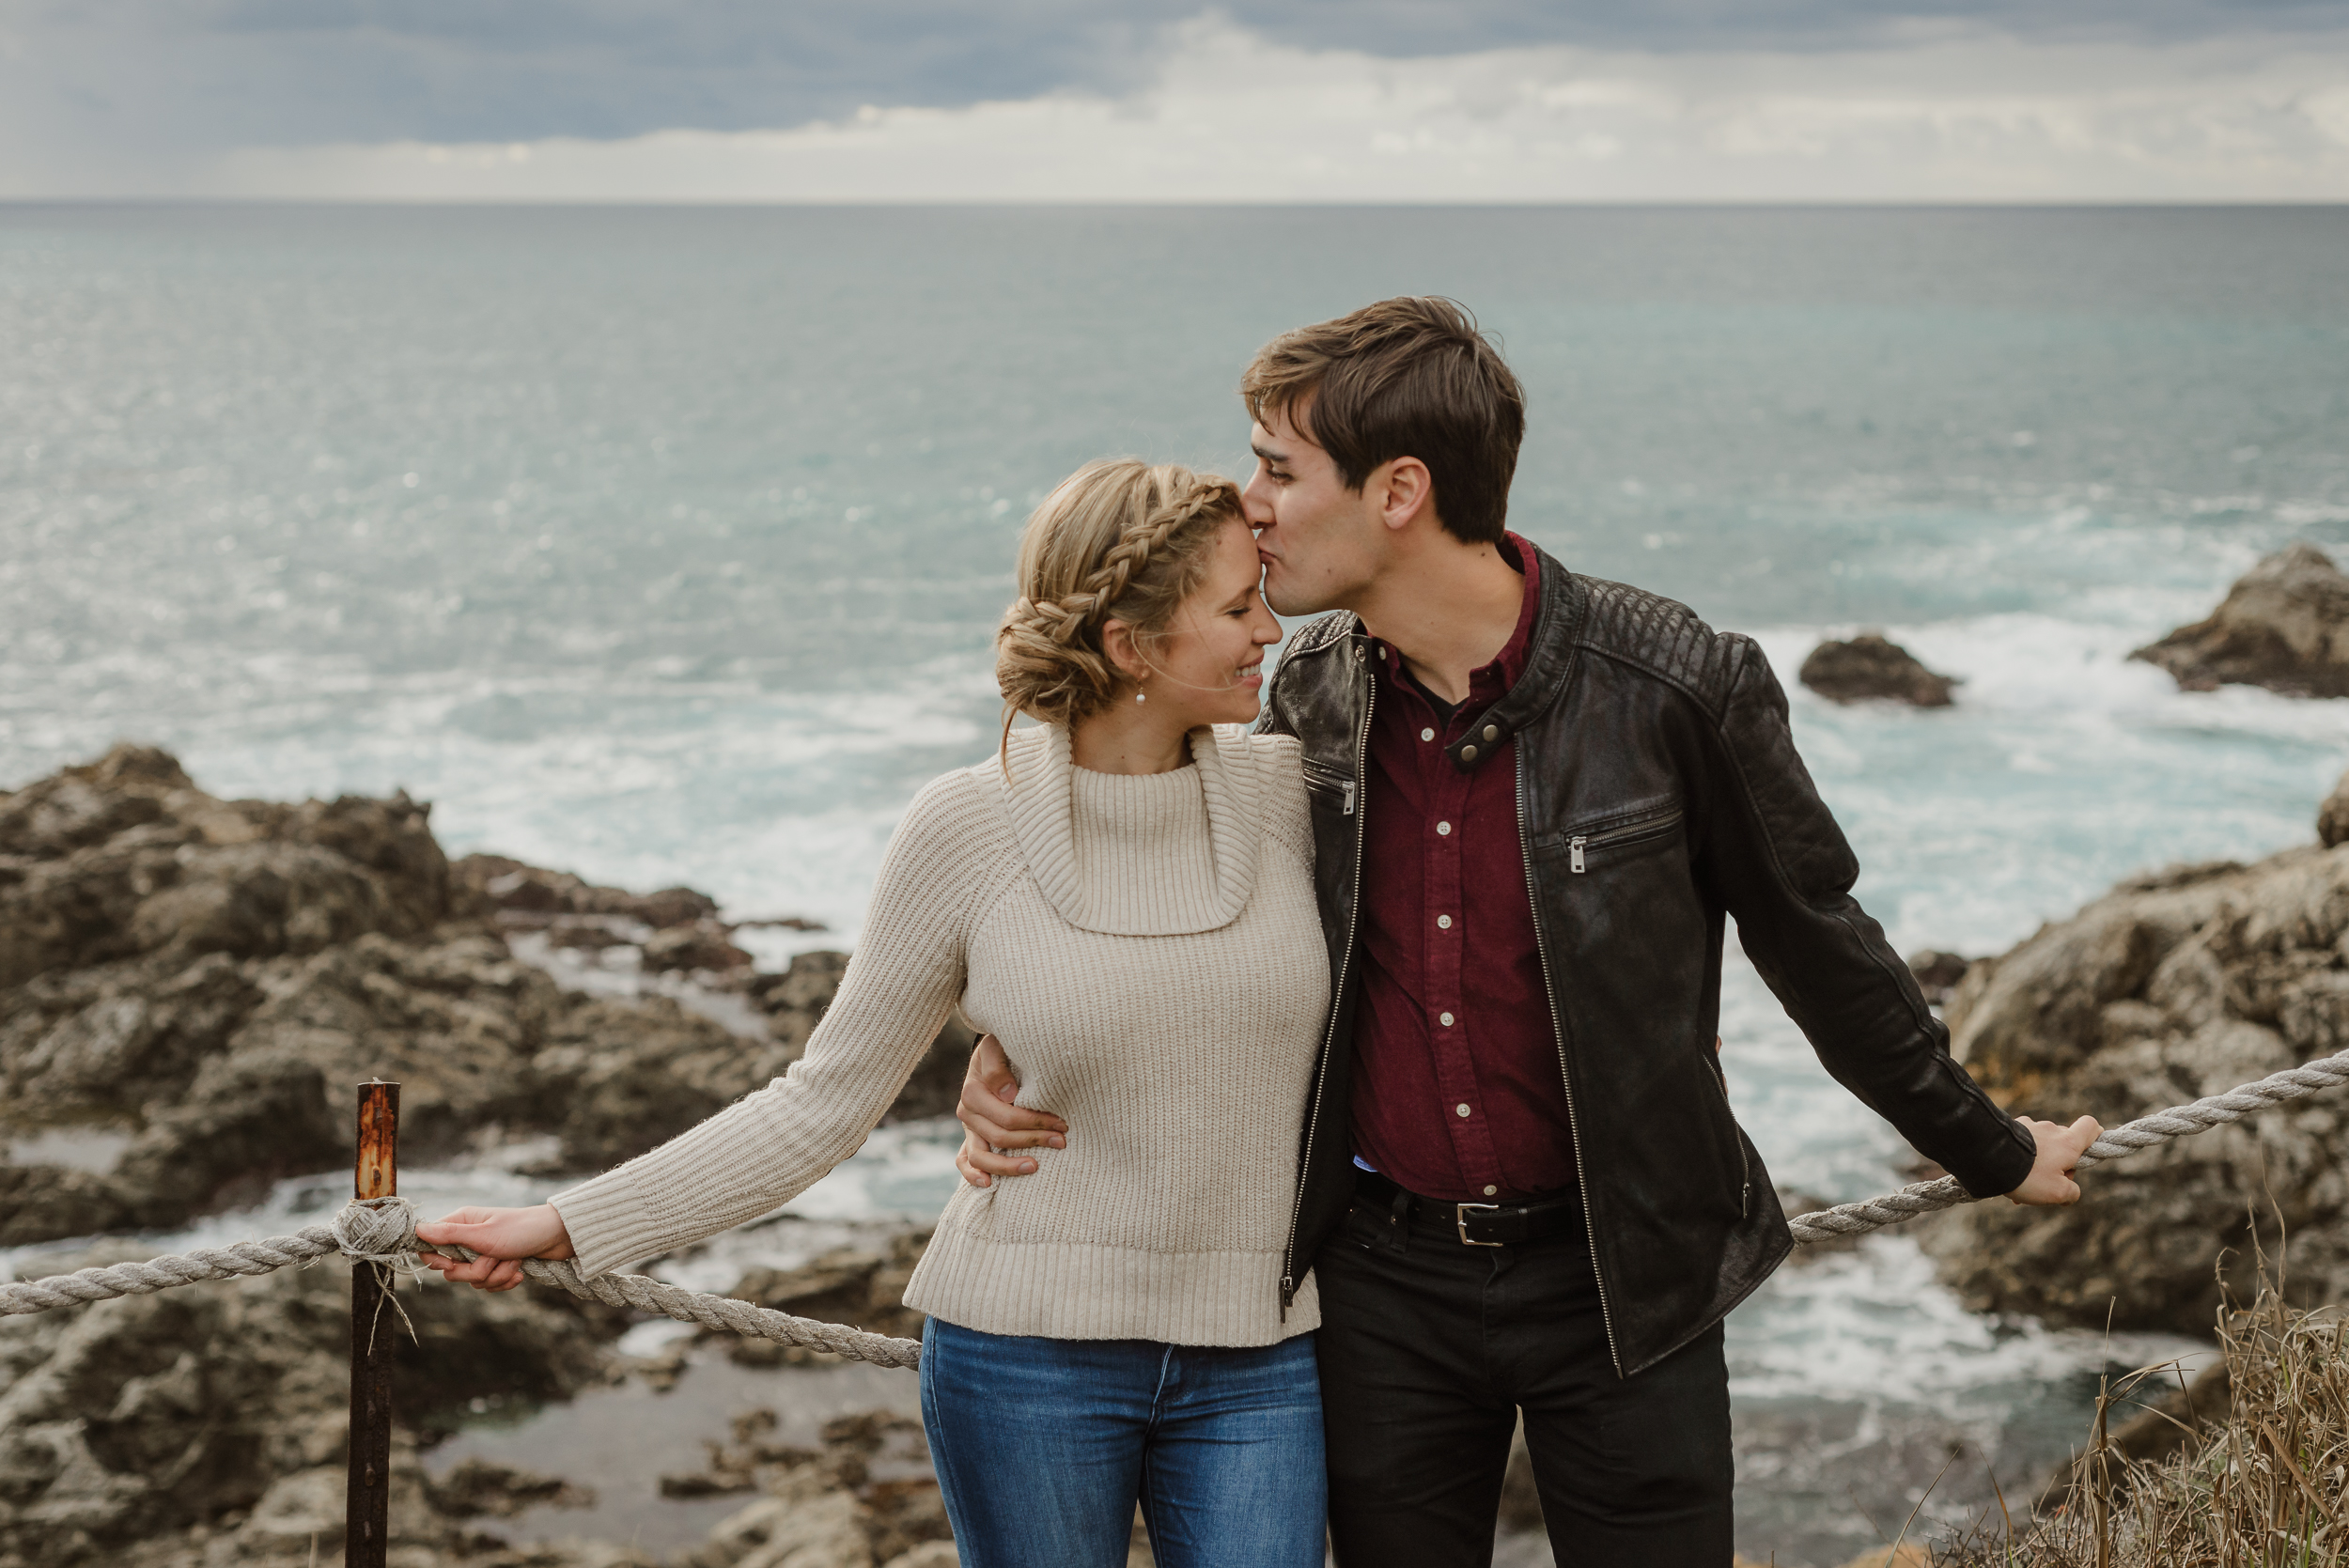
(1039, 800)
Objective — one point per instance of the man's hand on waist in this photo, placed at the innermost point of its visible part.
(2059, 1149)
(993, 1125)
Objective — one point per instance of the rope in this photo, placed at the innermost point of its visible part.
(146, 1278)
(382, 1231)
(2185, 1121)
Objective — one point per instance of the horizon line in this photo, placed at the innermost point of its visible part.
(1235, 203)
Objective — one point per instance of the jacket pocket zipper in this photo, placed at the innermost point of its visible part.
(1647, 826)
(1329, 779)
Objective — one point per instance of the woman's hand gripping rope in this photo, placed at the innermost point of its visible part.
(500, 1240)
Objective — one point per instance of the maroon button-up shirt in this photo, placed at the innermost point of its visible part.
(1458, 1091)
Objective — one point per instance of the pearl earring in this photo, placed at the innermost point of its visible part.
(1142, 696)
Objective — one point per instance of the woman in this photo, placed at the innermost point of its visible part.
(1124, 896)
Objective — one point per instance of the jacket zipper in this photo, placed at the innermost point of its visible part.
(1745, 1164)
(1337, 993)
(1575, 845)
(1550, 991)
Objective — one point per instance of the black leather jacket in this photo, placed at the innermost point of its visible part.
(1658, 791)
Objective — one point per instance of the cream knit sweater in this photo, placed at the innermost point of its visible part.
(1149, 952)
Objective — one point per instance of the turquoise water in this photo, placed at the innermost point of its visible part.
(665, 545)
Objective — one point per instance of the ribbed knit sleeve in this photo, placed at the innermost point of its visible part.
(768, 1147)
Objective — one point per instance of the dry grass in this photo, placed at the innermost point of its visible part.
(2266, 1488)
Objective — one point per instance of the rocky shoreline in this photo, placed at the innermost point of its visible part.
(2176, 984)
(189, 987)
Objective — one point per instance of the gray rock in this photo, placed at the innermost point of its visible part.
(702, 944)
(519, 889)
(125, 857)
(201, 982)
(1869, 667)
(2170, 988)
(2332, 816)
(1938, 973)
(2285, 625)
(478, 1486)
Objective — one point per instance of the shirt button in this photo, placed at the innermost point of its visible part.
(1461, 1109)
(1490, 1190)
(1446, 1018)
(1427, 735)
(1443, 922)
(1443, 829)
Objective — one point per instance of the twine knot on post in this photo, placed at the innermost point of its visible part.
(378, 1230)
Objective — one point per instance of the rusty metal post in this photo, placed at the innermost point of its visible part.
(376, 1175)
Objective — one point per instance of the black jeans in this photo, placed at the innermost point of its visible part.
(1429, 1349)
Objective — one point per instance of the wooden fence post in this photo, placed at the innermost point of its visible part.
(372, 1341)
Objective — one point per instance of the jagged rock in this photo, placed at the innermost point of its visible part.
(1870, 667)
(2285, 625)
(125, 856)
(810, 1519)
(2170, 988)
(234, 1074)
(823, 1503)
(478, 1486)
(1938, 973)
(794, 1000)
(794, 1003)
(538, 895)
(2332, 817)
(701, 944)
(617, 1077)
(221, 1407)
(201, 980)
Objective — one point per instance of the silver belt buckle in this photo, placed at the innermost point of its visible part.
(1460, 1219)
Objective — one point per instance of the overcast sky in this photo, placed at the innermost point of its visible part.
(1261, 100)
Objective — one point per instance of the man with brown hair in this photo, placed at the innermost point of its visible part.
(1537, 798)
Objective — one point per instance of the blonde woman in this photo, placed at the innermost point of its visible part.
(1124, 896)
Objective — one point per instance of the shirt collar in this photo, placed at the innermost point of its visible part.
(1490, 682)
(1509, 663)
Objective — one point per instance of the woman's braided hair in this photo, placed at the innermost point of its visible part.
(1120, 540)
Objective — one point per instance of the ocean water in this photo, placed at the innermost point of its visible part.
(665, 545)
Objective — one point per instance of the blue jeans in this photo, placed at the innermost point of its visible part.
(1043, 1446)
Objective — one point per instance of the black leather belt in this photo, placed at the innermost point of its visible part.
(1477, 1224)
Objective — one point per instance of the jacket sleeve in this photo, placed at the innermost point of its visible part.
(769, 1146)
(1784, 869)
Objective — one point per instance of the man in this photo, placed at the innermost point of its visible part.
(1537, 798)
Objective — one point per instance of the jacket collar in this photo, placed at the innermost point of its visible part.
(1548, 662)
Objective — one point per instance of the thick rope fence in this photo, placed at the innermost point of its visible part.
(2181, 1121)
(382, 1231)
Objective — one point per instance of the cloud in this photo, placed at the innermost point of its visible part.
(114, 82)
(1226, 113)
